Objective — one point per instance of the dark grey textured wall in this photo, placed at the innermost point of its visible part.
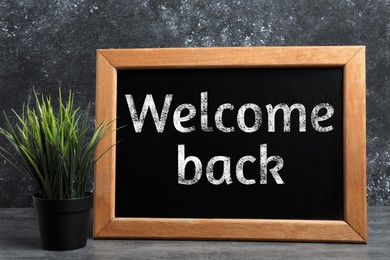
(46, 44)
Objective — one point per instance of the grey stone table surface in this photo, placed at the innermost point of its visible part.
(19, 239)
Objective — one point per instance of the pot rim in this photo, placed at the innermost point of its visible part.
(63, 206)
(39, 196)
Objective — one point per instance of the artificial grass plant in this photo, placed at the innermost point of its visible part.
(53, 148)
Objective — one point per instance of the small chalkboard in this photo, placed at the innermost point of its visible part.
(232, 143)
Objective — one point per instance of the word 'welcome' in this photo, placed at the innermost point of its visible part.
(161, 118)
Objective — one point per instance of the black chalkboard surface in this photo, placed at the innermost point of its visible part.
(147, 162)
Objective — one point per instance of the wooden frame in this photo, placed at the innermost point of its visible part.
(354, 226)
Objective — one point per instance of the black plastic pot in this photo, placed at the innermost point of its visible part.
(63, 224)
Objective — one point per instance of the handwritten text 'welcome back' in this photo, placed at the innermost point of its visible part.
(189, 111)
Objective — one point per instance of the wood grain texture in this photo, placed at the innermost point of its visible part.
(354, 227)
(231, 229)
(230, 57)
(355, 206)
(104, 200)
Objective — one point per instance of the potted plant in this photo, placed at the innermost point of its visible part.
(54, 150)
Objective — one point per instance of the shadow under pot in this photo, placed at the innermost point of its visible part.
(63, 224)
